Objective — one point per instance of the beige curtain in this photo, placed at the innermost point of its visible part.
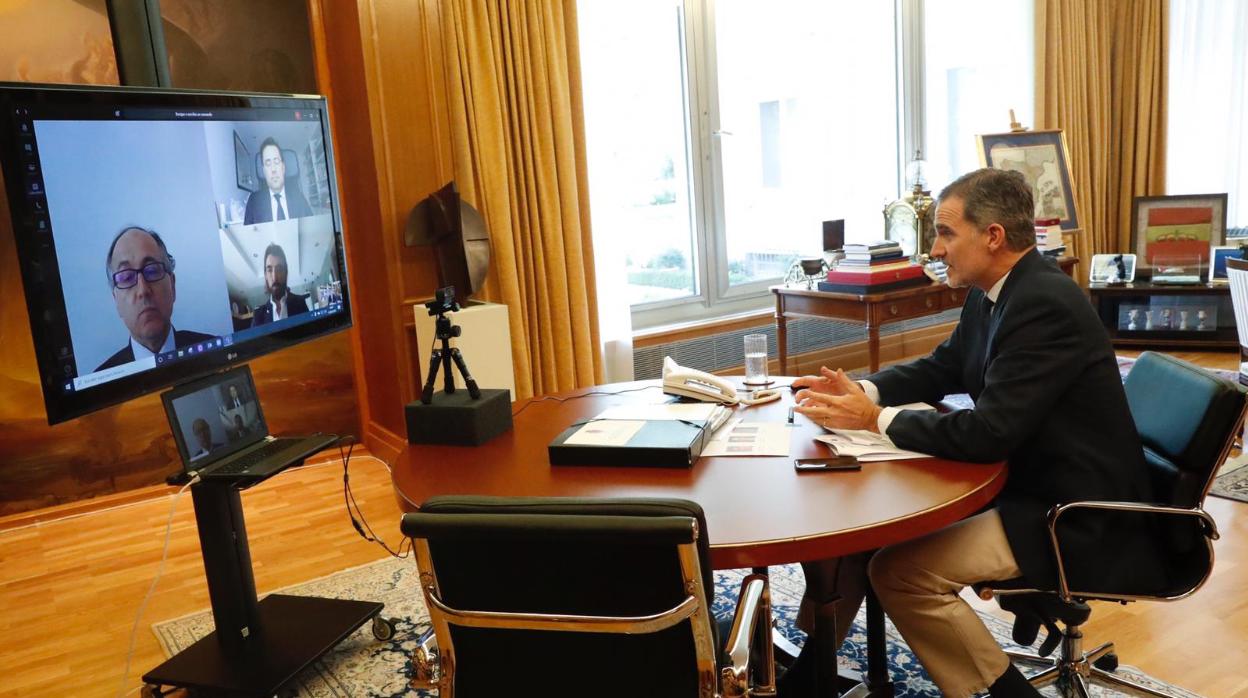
(1101, 77)
(518, 135)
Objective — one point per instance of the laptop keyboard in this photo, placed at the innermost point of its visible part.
(256, 456)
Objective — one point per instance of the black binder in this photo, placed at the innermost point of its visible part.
(661, 443)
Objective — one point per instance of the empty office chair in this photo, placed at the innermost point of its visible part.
(576, 597)
(1237, 273)
(1187, 419)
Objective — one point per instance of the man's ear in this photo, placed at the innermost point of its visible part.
(996, 236)
(173, 287)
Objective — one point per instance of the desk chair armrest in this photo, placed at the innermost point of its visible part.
(735, 679)
(1209, 526)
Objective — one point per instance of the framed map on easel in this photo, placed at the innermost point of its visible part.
(1042, 158)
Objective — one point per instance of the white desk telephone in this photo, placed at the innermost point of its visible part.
(700, 385)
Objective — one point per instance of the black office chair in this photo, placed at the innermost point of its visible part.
(1188, 419)
(577, 597)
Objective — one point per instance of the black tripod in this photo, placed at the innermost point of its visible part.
(444, 302)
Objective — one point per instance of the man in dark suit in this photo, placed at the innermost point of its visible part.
(140, 274)
(282, 303)
(1032, 354)
(275, 201)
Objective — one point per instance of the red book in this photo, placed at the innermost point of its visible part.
(873, 277)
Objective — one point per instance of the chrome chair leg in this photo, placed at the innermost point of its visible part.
(1112, 678)
(1046, 677)
(1099, 652)
(1079, 686)
(1029, 657)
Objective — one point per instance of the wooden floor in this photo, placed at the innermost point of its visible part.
(70, 586)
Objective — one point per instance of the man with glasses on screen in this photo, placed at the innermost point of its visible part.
(274, 201)
(140, 274)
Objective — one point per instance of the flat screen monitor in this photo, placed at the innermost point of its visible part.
(163, 235)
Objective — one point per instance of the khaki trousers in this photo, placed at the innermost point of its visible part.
(918, 582)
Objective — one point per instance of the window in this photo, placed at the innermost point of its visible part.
(1207, 135)
(722, 133)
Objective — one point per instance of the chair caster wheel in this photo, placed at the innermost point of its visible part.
(1107, 662)
(383, 628)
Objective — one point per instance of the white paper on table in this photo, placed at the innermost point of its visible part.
(605, 432)
(866, 446)
(737, 438)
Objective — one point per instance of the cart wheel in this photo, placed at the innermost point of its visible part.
(1108, 662)
(383, 628)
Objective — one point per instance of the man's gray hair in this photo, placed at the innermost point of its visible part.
(108, 259)
(997, 196)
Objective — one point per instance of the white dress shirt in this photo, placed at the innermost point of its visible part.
(283, 207)
(142, 352)
(889, 413)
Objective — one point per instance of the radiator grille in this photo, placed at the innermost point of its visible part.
(723, 351)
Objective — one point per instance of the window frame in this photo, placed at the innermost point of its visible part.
(714, 297)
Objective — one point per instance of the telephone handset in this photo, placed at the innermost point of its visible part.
(700, 385)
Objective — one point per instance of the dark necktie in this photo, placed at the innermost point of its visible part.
(281, 212)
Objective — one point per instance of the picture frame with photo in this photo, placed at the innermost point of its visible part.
(1043, 159)
(1168, 227)
(1112, 269)
(1218, 254)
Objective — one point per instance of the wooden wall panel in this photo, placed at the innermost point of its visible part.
(387, 96)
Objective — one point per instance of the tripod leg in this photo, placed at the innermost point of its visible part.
(448, 377)
(473, 390)
(435, 359)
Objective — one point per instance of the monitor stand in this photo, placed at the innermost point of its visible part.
(258, 645)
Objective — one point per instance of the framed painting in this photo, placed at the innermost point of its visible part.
(1176, 230)
(1042, 158)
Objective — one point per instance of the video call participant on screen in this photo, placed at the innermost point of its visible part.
(239, 430)
(274, 201)
(282, 303)
(203, 435)
(140, 274)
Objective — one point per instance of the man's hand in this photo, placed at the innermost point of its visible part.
(825, 383)
(838, 403)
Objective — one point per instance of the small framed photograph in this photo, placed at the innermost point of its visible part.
(1218, 254)
(1112, 269)
(1044, 161)
(1133, 318)
(1176, 226)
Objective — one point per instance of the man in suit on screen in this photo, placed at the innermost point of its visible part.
(1036, 360)
(282, 302)
(275, 201)
(144, 287)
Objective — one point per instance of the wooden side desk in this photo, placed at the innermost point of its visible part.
(759, 511)
(871, 309)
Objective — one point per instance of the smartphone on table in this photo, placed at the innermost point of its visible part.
(826, 463)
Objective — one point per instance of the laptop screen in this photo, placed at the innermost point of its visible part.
(214, 417)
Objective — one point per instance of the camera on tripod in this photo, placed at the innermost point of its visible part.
(444, 302)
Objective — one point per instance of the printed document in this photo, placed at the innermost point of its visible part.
(605, 432)
(866, 446)
(739, 438)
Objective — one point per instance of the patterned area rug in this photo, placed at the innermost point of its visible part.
(362, 666)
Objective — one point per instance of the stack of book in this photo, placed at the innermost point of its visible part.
(1049, 237)
(872, 268)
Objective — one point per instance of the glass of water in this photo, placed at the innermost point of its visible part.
(756, 359)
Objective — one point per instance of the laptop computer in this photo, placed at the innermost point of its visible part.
(221, 434)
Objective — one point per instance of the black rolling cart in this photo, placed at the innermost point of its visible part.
(258, 645)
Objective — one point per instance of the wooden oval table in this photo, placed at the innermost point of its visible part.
(759, 510)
